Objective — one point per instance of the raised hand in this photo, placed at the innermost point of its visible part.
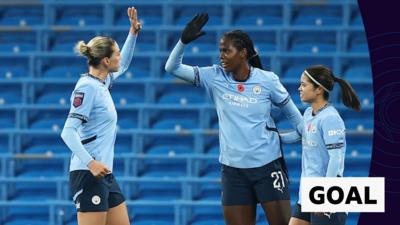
(136, 26)
(193, 30)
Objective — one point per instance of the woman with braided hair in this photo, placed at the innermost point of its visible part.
(252, 166)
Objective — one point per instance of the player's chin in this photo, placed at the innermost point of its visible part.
(302, 98)
(226, 67)
(115, 69)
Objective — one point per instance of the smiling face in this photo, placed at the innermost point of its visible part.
(308, 92)
(230, 57)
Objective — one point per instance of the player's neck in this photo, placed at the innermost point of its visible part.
(242, 74)
(317, 105)
(99, 73)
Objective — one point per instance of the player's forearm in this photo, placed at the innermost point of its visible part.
(290, 137)
(71, 138)
(335, 158)
(126, 54)
(293, 114)
(174, 64)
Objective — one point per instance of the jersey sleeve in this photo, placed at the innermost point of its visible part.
(279, 94)
(82, 100)
(204, 76)
(333, 131)
(334, 139)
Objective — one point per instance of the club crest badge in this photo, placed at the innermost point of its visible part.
(78, 99)
(257, 90)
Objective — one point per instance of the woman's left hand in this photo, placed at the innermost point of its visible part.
(136, 26)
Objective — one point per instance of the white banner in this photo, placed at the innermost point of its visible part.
(343, 194)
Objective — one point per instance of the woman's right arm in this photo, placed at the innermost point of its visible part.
(174, 64)
(191, 32)
(290, 137)
(71, 138)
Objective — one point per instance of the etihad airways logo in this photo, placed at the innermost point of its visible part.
(240, 101)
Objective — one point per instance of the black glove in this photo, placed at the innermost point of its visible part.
(192, 30)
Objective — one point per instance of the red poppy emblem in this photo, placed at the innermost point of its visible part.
(240, 87)
(78, 99)
(309, 127)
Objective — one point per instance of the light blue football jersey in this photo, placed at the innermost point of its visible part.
(322, 133)
(92, 103)
(244, 114)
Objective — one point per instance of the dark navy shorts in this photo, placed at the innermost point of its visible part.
(254, 185)
(91, 194)
(338, 218)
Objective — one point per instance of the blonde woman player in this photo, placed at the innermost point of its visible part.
(90, 130)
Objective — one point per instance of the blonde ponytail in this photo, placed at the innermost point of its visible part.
(82, 49)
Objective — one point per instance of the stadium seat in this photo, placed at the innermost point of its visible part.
(18, 42)
(37, 168)
(54, 98)
(33, 191)
(50, 144)
(317, 16)
(126, 94)
(151, 191)
(210, 168)
(181, 94)
(358, 72)
(60, 72)
(356, 19)
(257, 15)
(21, 16)
(127, 120)
(79, 16)
(30, 221)
(175, 120)
(163, 169)
(313, 42)
(135, 73)
(359, 121)
(4, 144)
(293, 67)
(148, 15)
(47, 120)
(357, 42)
(22, 215)
(211, 145)
(65, 41)
(139, 68)
(206, 215)
(11, 72)
(185, 13)
(10, 94)
(171, 149)
(7, 119)
(146, 215)
(365, 93)
(146, 41)
(207, 191)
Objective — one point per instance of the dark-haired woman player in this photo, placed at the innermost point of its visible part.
(253, 169)
(323, 137)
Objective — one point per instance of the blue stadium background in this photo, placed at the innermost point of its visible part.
(167, 143)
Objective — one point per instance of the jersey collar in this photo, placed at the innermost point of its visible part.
(96, 78)
(320, 110)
